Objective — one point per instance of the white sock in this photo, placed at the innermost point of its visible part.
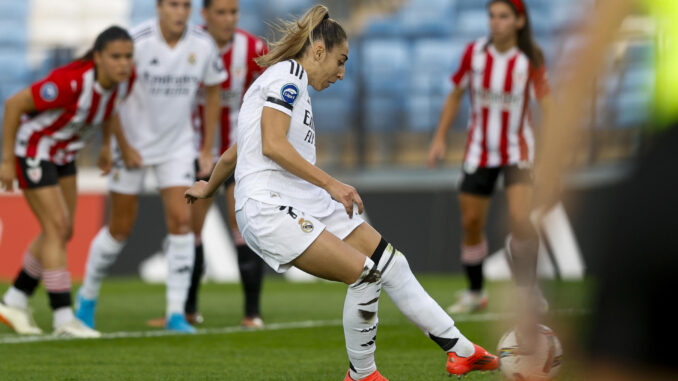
(62, 315)
(15, 298)
(361, 321)
(415, 303)
(103, 252)
(180, 257)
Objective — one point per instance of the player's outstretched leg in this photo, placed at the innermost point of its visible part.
(413, 301)
(251, 276)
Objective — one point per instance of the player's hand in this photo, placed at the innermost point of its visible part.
(7, 173)
(205, 164)
(131, 158)
(436, 152)
(105, 160)
(346, 195)
(199, 190)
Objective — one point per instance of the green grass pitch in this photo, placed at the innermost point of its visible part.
(305, 341)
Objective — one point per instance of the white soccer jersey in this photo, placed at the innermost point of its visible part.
(501, 84)
(156, 118)
(70, 105)
(283, 87)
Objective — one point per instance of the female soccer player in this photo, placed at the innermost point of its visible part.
(503, 73)
(238, 49)
(286, 208)
(61, 111)
(172, 59)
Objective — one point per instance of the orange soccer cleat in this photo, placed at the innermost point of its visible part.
(375, 376)
(479, 360)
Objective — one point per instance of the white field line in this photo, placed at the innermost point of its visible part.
(481, 317)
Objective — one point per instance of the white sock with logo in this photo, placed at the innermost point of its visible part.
(180, 258)
(415, 303)
(103, 252)
(360, 321)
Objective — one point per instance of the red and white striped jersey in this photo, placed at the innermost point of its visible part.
(238, 57)
(70, 104)
(501, 86)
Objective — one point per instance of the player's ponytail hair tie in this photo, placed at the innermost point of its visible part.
(519, 6)
(326, 17)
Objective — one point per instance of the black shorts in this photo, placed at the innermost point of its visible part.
(228, 182)
(33, 173)
(482, 181)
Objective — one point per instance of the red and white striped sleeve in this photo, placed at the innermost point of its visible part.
(461, 77)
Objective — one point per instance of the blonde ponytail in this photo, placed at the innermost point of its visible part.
(314, 25)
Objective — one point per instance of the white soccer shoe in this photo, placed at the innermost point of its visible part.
(19, 319)
(76, 328)
(468, 302)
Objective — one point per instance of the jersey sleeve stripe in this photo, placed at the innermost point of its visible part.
(291, 67)
(296, 73)
(280, 102)
(301, 76)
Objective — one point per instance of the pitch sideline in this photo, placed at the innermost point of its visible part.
(482, 317)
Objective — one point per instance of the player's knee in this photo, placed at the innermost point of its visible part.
(179, 225)
(522, 228)
(472, 223)
(58, 226)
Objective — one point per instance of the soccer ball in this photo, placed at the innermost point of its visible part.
(541, 364)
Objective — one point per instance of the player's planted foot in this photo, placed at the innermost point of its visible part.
(192, 319)
(468, 302)
(178, 323)
(85, 309)
(479, 360)
(375, 376)
(76, 328)
(19, 319)
(252, 322)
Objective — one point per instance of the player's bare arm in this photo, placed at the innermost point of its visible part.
(212, 110)
(130, 156)
(450, 108)
(105, 160)
(17, 105)
(222, 171)
(275, 146)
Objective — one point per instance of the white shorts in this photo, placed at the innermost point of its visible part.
(177, 172)
(279, 234)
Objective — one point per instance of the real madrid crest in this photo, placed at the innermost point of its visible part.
(191, 58)
(306, 225)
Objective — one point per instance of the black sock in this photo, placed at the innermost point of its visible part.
(475, 276)
(26, 283)
(59, 299)
(191, 305)
(251, 274)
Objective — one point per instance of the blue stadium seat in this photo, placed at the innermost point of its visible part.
(14, 10)
(7, 89)
(14, 66)
(383, 113)
(386, 27)
(435, 18)
(384, 65)
(434, 61)
(14, 34)
(472, 23)
(332, 114)
(632, 109)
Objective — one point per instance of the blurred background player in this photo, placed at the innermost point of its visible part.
(286, 206)
(61, 111)
(238, 50)
(173, 58)
(503, 73)
(631, 330)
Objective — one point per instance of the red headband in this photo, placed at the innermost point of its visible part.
(519, 6)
